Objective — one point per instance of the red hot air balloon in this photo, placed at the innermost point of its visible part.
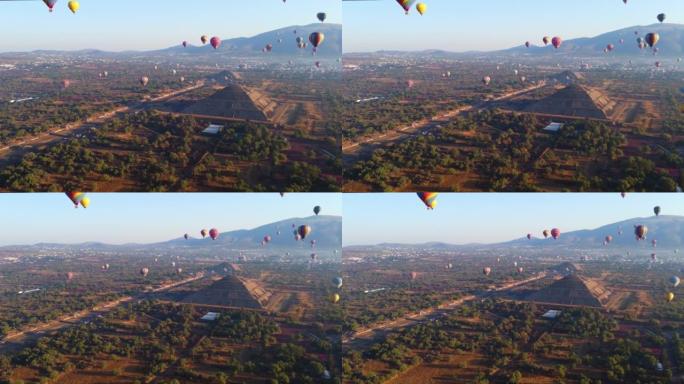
(215, 42)
(555, 233)
(50, 4)
(267, 239)
(609, 238)
(557, 41)
(213, 233)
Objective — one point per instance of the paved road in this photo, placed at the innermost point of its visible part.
(369, 144)
(378, 330)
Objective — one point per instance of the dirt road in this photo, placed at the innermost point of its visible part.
(378, 330)
(352, 151)
(17, 340)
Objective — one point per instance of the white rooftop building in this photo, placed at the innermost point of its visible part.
(210, 316)
(553, 127)
(213, 129)
(551, 314)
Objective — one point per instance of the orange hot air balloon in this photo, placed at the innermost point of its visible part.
(429, 199)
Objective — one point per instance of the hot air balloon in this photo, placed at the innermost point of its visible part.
(267, 239)
(527, 44)
(50, 4)
(76, 197)
(486, 271)
(529, 236)
(203, 233)
(144, 81)
(185, 44)
(610, 47)
(640, 232)
(105, 267)
(70, 276)
(652, 39)
(609, 238)
(85, 202)
(546, 233)
(661, 17)
(653, 256)
(674, 280)
(521, 269)
(555, 233)
(414, 275)
(429, 199)
(335, 298)
(337, 282)
(303, 231)
(556, 42)
(654, 243)
(316, 39)
(204, 39)
(322, 16)
(546, 40)
(144, 272)
(317, 210)
(215, 42)
(213, 233)
(656, 210)
(186, 236)
(313, 257)
(74, 6)
(179, 271)
(421, 8)
(406, 4)
(486, 80)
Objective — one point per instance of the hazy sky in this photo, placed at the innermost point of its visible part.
(463, 25)
(148, 217)
(149, 24)
(489, 217)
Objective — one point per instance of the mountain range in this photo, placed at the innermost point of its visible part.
(326, 230)
(667, 230)
(331, 46)
(671, 44)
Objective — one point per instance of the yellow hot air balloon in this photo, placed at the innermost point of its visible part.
(335, 298)
(74, 6)
(421, 8)
(85, 202)
(669, 297)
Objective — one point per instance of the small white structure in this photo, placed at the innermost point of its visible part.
(553, 127)
(210, 316)
(213, 129)
(551, 314)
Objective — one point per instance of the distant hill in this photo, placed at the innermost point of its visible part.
(671, 43)
(326, 230)
(667, 230)
(332, 45)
